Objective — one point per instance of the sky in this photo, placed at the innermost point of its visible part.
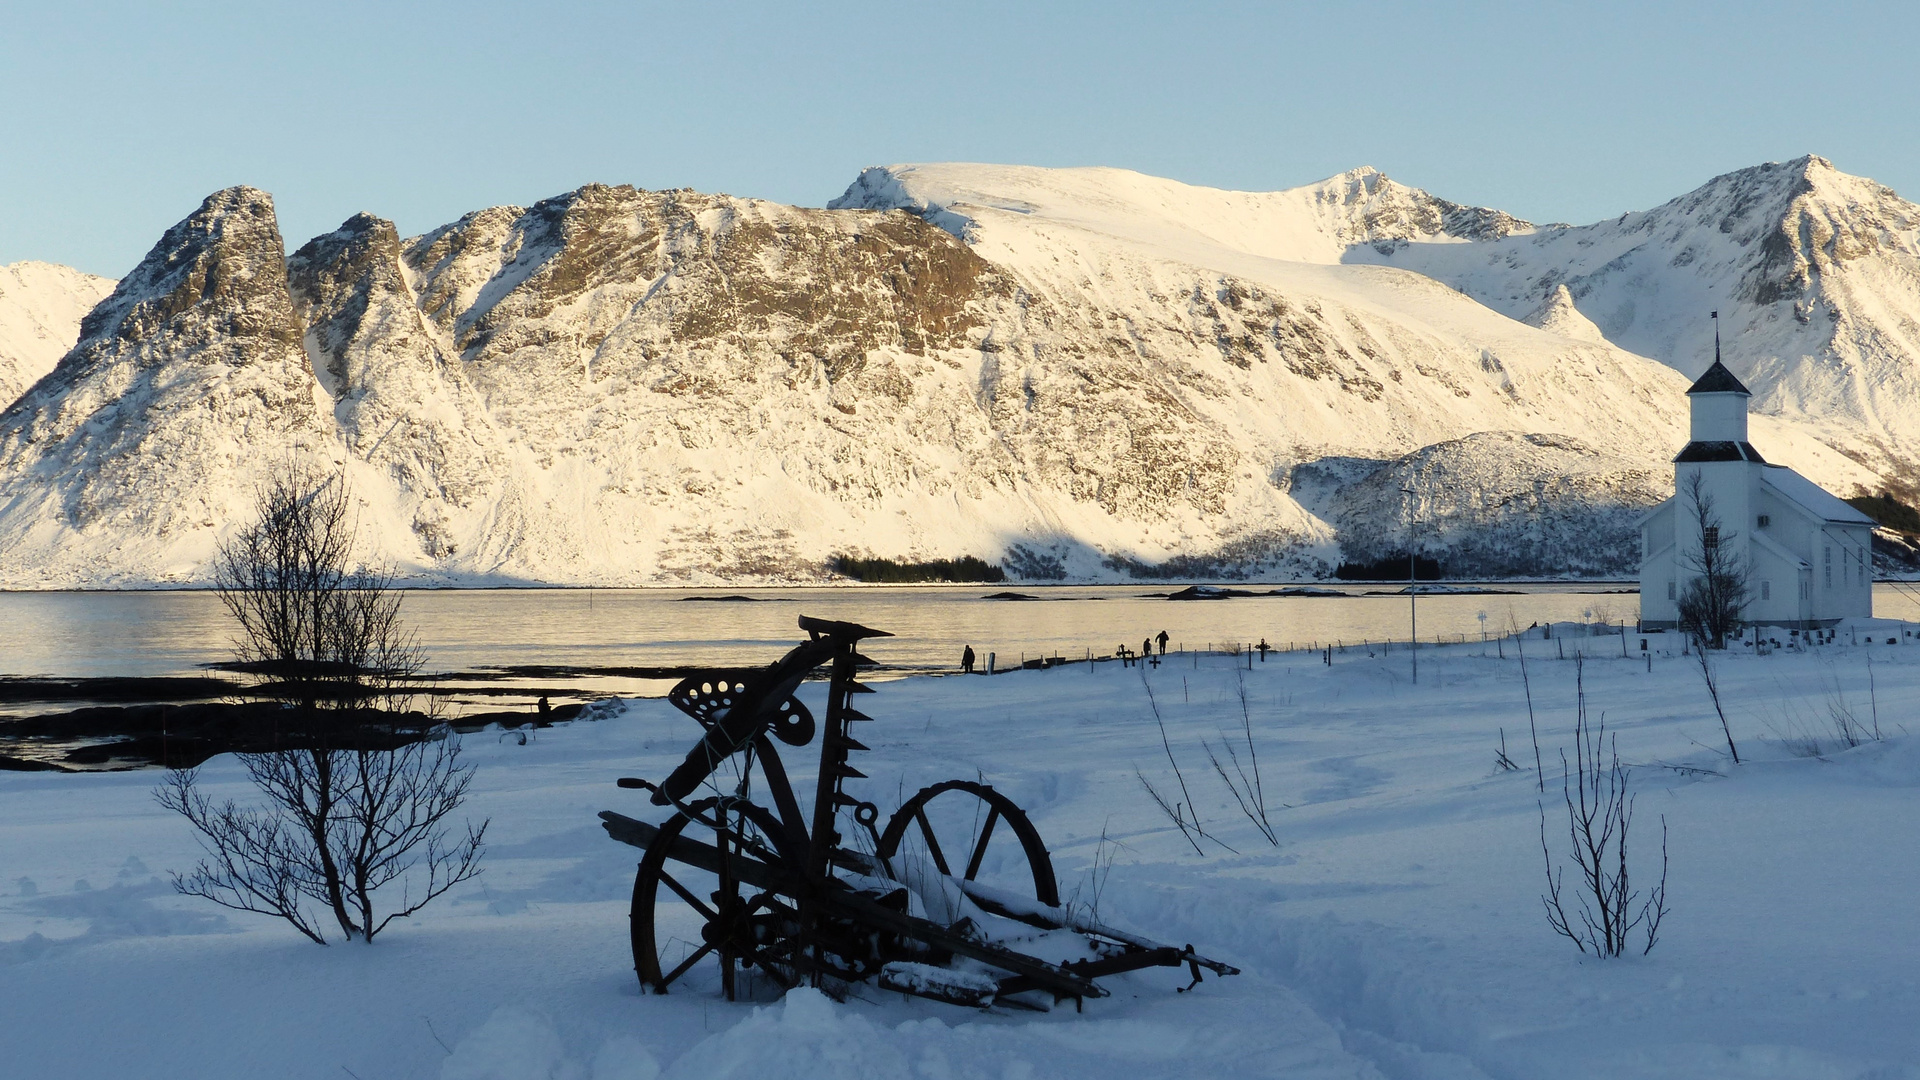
(116, 119)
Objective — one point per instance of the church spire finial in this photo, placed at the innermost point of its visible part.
(1716, 336)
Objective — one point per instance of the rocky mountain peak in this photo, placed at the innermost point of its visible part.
(186, 382)
(218, 278)
(1370, 208)
(333, 278)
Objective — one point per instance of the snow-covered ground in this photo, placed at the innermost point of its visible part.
(1395, 931)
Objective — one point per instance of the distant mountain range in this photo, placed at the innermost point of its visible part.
(1080, 374)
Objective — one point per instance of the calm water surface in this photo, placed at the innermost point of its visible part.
(167, 633)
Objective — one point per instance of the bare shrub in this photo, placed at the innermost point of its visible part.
(334, 829)
(1249, 792)
(1182, 812)
(1526, 683)
(1084, 899)
(346, 819)
(1606, 909)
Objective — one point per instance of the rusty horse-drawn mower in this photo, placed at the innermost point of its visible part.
(925, 905)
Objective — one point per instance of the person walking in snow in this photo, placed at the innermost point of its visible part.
(1163, 642)
(966, 660)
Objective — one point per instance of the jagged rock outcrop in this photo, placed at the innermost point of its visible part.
(145, 439)
(401, 399)
(41, 306)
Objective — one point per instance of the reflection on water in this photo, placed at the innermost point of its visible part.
(93, 634)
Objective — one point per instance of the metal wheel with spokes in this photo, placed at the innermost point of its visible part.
(680, 916)
(970, 831)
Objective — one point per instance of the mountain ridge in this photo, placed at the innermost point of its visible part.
(1085, 374)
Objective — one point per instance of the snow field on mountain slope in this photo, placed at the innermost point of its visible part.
(1395, 931)
(41, 306)
(1125, 240)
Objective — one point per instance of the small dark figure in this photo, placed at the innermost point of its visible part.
(1121, 652)
(1264, 649)
(1146, 647)
(546, 710)
(1162, 639)
(966, 660)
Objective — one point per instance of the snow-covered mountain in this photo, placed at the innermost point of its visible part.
(41, 306)
(1081, 373)
(144, 443)
(1816, 275)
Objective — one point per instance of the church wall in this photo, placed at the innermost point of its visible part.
(1657, 567)
(1773, 586)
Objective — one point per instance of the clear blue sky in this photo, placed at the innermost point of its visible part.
(116, 119)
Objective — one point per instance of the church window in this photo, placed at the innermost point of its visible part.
(1766, 590)
(1670, 590)
(1826, 561)
(1710, 537)
(1765, 521)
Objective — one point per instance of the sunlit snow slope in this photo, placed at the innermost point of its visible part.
(41, 306)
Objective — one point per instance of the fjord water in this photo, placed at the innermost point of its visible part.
(94, 634)
(483, 632)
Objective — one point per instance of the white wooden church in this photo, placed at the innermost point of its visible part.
(1808, 555)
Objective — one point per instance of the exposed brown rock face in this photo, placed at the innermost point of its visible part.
(185, 379)
(1816, 234)
(399, 402)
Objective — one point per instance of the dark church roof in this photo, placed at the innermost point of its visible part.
(1718, 451)
(1718, 380)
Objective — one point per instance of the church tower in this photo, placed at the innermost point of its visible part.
(1718, 453)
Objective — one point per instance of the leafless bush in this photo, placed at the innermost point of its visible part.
(1084, 898)
(1231, 648)
(1526, 683)
(1606, 907)
(343, 821)
(1713, 601)
(1835, 724)
(1184, 815)
(334, 829)
(1248, 791)
(1849, 729)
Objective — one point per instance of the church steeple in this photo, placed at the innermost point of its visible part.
(1718, 402)
(1717, 379)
